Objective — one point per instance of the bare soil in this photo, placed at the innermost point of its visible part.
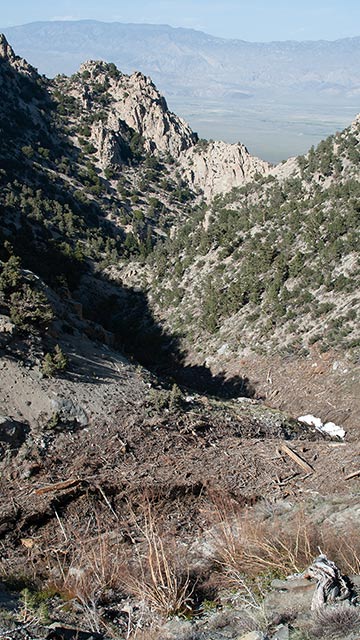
(70, 481)
(326, 385)
(177, 458)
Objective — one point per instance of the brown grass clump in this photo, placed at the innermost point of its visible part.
(249, 545)
(160, 576)
(138, 557)
(92, 568)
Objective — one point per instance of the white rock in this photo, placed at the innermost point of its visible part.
(330, 428)
(223, 349)
(6, 325)
(311, 420)
(136, 101)
(220, 167)
(252, 635)
(333, 430)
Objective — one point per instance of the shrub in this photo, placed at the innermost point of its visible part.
(30, 309)
(10, 274)
(109, 173)
(176, 398)
(251, 546)
(336, 621)
(162, 581)
(34, 606)
(28, 151)
(54, 363)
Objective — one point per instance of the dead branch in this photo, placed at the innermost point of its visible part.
(354, 474)
(296, 458)
(58, 486)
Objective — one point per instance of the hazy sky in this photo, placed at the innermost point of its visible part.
(255, 20)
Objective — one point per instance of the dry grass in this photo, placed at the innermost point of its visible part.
(336, 621)
(160, 577)
(90, 568)
(139, 555)
(150, 633)
(149, 566)
(249, 545)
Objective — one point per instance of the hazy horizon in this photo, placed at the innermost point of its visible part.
(165, 24)
(273, 122)
(259, 21)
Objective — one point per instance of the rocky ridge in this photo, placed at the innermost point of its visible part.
(219, 167)
(135, 100)
(339, 161)
(8, 55)
(213, 168)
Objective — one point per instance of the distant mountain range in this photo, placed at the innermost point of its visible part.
(188, 61)
(225, 88)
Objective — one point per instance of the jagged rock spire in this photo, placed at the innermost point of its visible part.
(8, 55)
(6, 50)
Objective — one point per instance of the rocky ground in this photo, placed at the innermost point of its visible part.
(324, 384)
(106, 440)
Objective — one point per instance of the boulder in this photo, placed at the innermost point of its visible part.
(253, 635)
(293, 594)
(7, 329)
(69, 411)
(12, 434)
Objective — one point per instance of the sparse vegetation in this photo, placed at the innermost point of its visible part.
(142, 514)
(335, 622)
(258, 548)
(161, 578)
(274, 246)
(30, 309)
(54, 363)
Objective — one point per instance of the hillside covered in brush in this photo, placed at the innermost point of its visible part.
(168, 307)
(273, 265)
(94, 172)
(173, 247)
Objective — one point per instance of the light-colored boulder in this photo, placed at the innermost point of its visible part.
(6, 325)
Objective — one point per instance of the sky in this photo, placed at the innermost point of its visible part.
(253, 20)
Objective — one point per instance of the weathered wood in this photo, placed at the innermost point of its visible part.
(282, 483)
(332, 586)
(296, 458)
(354, 474)
(58, 486)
